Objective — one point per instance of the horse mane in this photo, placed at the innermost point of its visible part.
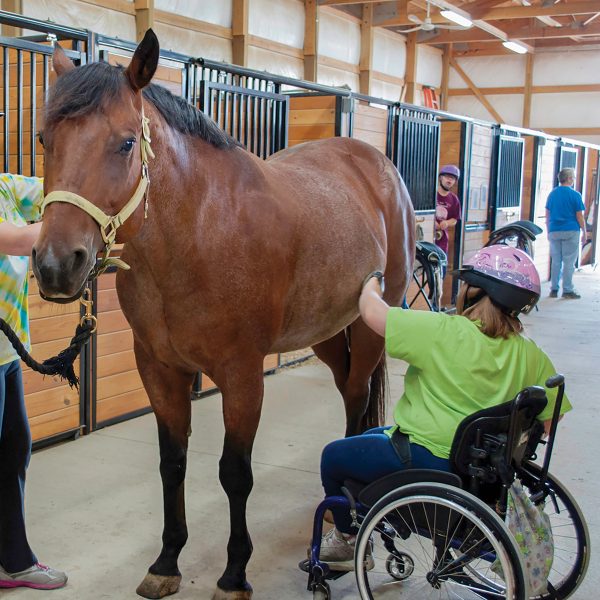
(88, 88)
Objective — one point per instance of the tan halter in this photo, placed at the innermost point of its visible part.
(109, 224)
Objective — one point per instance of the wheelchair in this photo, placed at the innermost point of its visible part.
(519, 234)
(429, 265)
(433, 534)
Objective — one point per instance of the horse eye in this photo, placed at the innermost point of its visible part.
(127, 146)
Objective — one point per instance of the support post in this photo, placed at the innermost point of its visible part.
(311, 40)
(445, 76)
(144, 17)
(527, 91)
(366, 49)
(411, 68)
(239, 31)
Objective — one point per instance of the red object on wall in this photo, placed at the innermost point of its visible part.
(430, 99)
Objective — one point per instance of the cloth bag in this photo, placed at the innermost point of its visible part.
(530, 526)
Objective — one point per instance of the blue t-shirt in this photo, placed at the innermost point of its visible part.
(563, 203)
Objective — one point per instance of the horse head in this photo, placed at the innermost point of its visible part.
(96, 147)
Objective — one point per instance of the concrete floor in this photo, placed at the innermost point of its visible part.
(94, 505)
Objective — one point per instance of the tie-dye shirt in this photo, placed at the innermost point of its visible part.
(20, 198)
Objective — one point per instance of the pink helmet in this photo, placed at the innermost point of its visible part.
(452, 170)
(507, 275)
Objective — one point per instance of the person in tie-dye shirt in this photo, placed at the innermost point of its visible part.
(20, 198)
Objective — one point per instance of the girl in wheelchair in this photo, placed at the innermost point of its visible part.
(458, 365)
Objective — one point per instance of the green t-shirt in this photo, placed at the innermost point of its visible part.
(455, 370)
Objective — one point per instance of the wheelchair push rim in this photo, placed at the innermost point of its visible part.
(458, 546)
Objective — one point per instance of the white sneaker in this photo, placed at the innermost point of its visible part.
(37, 577)
(337, 550)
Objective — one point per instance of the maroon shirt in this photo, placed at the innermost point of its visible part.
(447, 207)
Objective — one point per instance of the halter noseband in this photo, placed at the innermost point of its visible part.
(109, 224)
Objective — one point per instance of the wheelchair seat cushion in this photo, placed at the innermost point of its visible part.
(373, 492)
(432, 252)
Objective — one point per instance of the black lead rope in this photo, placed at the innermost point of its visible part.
(62, 364)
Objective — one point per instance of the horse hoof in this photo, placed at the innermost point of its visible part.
(158, 586)
(235, 595)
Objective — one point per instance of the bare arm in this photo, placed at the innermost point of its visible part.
(18, 241)
(373, 309)
(547, 218)
(579, 217)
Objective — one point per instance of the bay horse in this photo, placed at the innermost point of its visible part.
(232, 258)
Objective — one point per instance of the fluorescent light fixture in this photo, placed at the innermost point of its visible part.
(456, 18)
(515, 47)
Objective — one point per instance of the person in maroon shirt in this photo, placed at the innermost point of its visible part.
(447, 208)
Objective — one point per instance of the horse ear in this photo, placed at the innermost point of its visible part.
(144, 62)
(61, 62)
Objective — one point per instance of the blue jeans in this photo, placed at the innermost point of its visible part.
(365, 458)
(564, 247)
(15, 452)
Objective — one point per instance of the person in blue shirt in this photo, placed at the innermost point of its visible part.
(564, 220)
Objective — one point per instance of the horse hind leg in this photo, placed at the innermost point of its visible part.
(242, 387)
(355, 357)
(169, 392)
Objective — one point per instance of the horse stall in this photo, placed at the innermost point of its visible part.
(55, 410)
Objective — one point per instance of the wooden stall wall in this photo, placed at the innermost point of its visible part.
(311, 118)
(52, 406)
(591, 207)
(370, 124)
(476, 213)
(546, 183)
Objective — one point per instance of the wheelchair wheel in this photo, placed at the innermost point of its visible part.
(458, 547)
(424, 278)
(570, 533)
(321, 591)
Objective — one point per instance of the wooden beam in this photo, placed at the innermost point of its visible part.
(516, 32)
(366, 50)
(169, 18)
(410, 77)
(144, 17)
(311, 39)
(445, 76)
(528, 12)
(527, 91)
(336, 2)
(476, 91)
(571, 131)
(239, 32)
(13, 6)
(535, 89)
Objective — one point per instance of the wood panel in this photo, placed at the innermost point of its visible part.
(52, 406)
(529, 168)
(547, 179)
(371, 125)
(311, 118)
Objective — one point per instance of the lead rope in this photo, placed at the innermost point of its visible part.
(62, 363)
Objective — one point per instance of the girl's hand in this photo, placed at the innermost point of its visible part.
(373, 285)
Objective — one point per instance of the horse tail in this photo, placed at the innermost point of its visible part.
(378, 386)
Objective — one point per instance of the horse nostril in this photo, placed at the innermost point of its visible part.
(79, 259)
(33, 253)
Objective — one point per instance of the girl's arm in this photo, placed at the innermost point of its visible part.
(18, 241)
(373, 309)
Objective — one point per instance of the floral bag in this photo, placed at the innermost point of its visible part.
(530, 526)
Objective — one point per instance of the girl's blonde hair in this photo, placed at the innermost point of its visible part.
(473, 303)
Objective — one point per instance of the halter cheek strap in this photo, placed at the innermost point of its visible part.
(109, 224)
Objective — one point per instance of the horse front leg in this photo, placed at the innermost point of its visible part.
(242, 388)
(169, 392)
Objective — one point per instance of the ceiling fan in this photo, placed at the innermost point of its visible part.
(427, 25)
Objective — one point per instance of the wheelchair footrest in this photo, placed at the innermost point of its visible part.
(305, 566)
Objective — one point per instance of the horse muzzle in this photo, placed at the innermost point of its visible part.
(61, 276)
